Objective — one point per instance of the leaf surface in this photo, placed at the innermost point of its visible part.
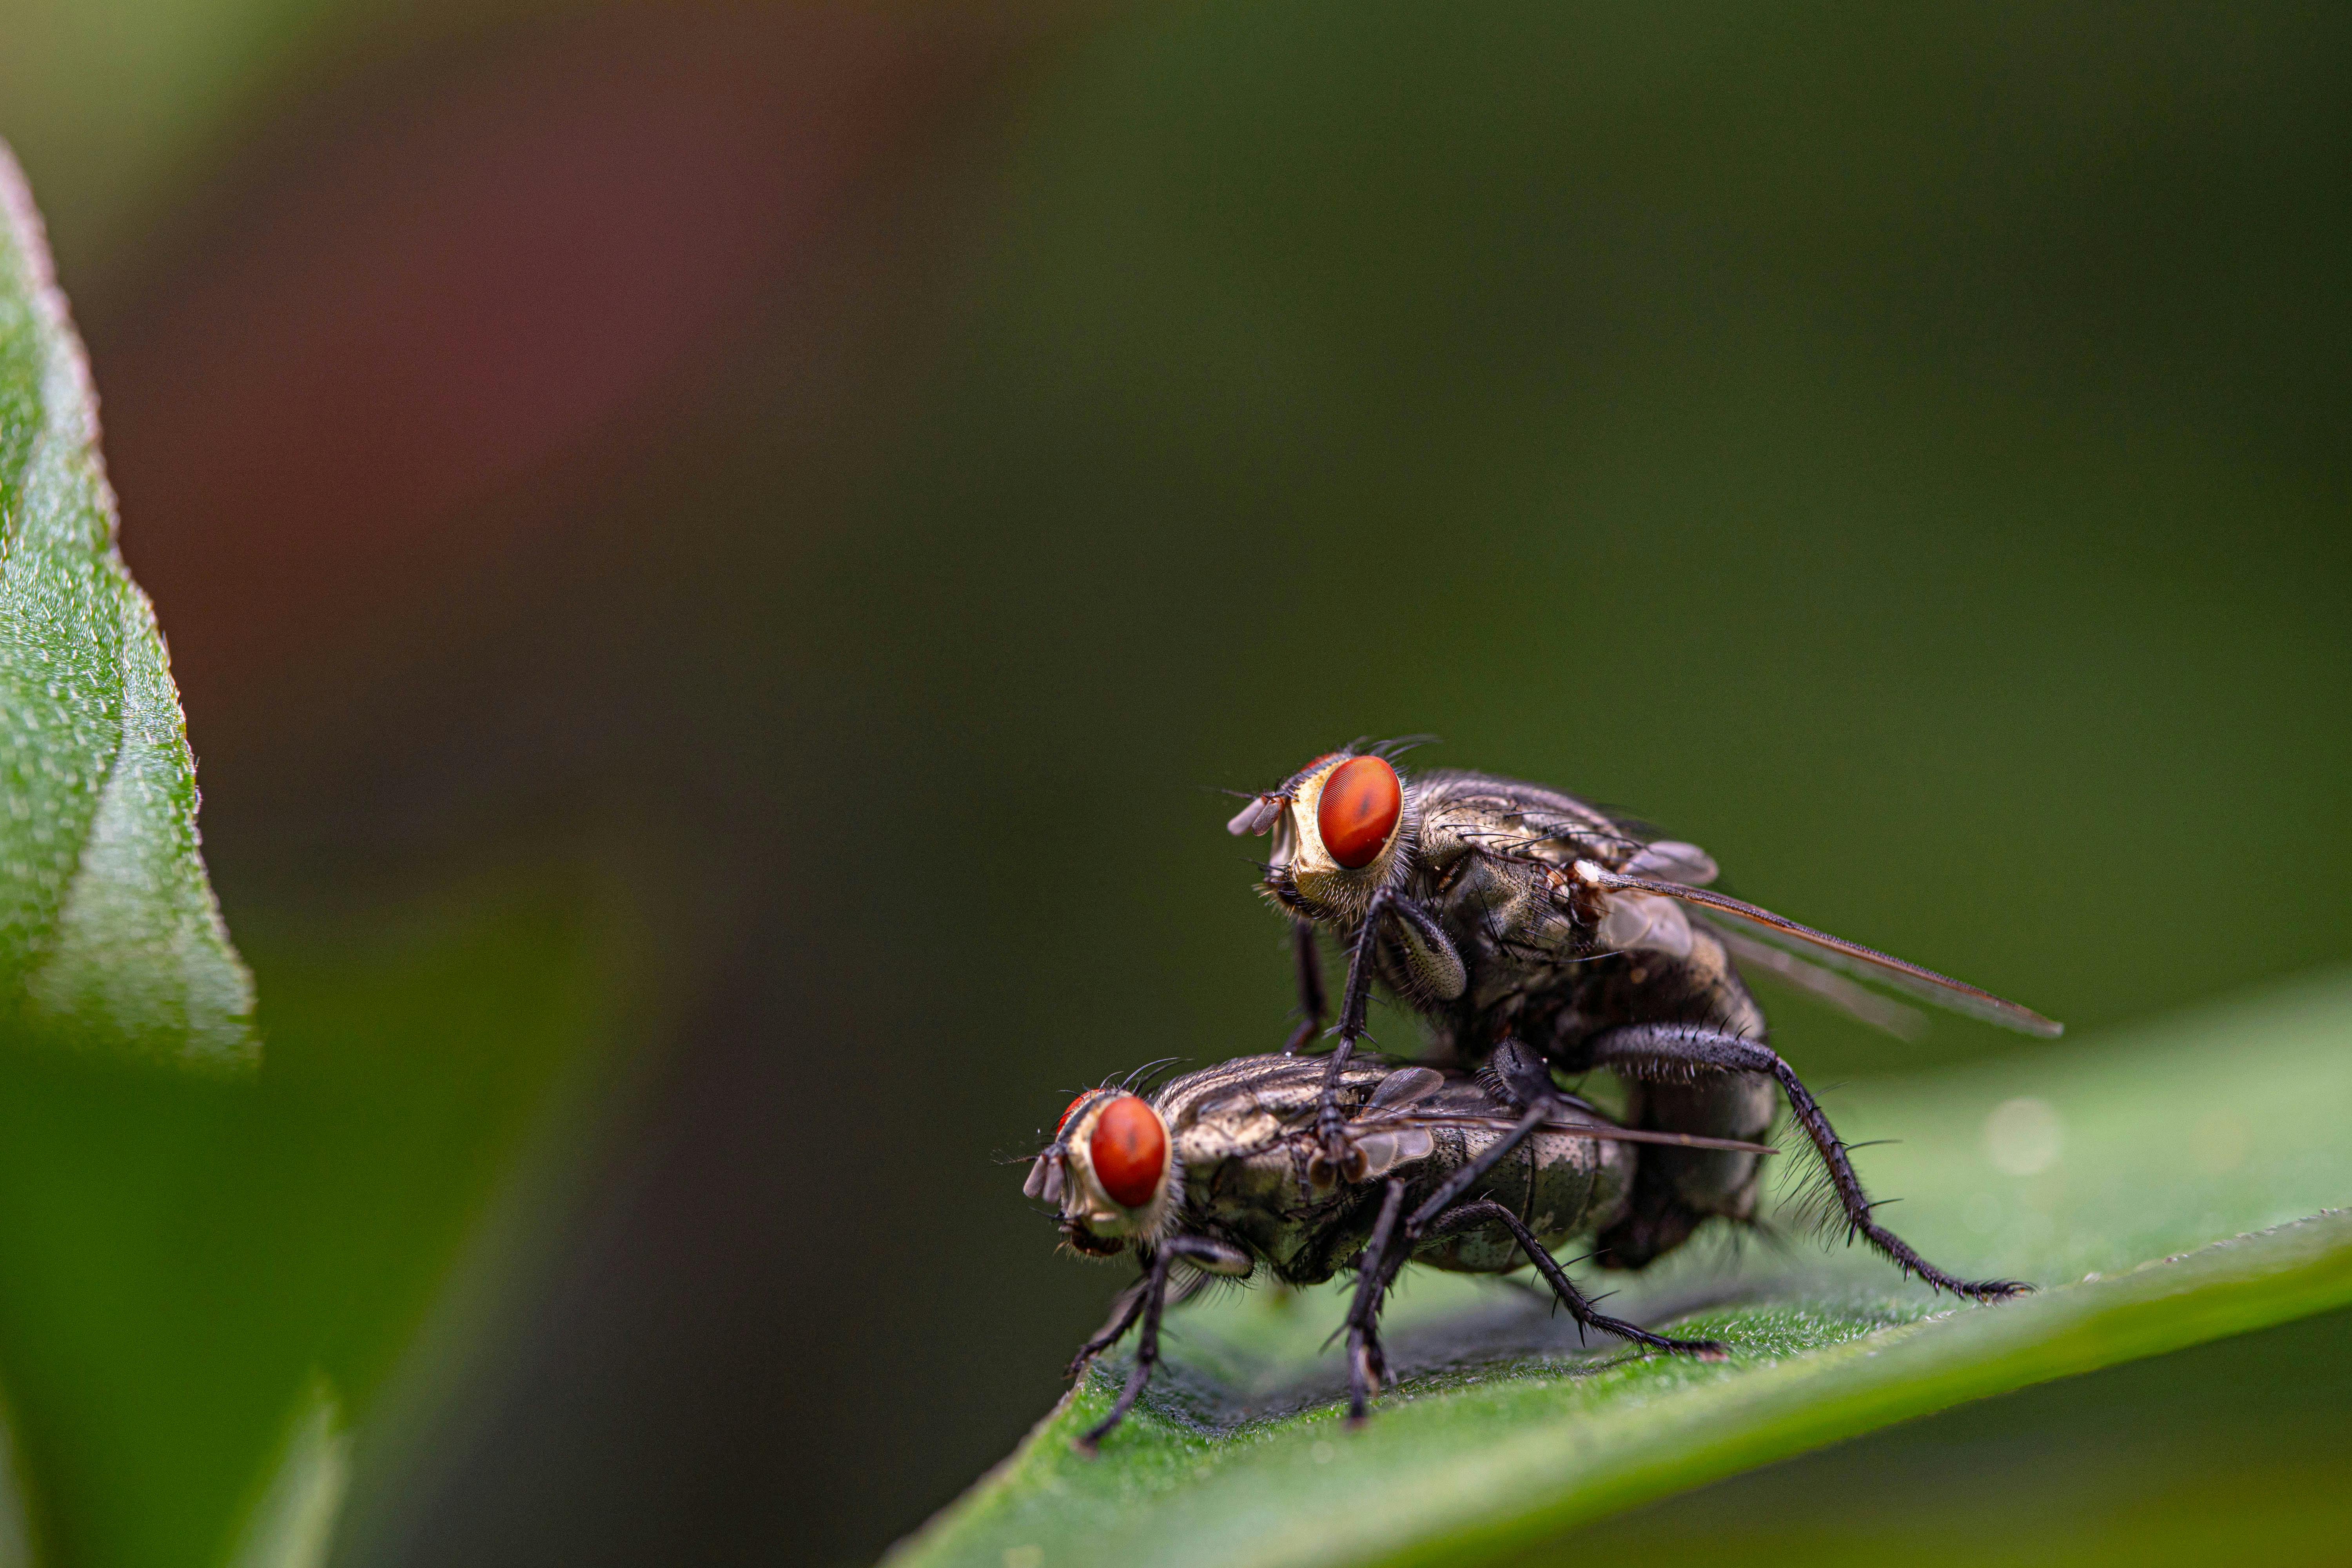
(110, 934)
(2165, 1188)
(215, 1285)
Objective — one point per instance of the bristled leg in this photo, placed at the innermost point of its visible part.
(1486, 1210)
(1664, 1051)
(1367, 1368)
(1147, 1356)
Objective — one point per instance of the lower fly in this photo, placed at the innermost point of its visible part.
(1215, 1174)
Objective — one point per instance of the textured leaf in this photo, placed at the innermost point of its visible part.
(2153, 1185)
(109, 932)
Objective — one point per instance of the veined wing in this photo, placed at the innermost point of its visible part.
(1606, 1131)
(1857, 1002)
(1867, 963)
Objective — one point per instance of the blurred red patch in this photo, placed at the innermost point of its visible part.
(433, 331)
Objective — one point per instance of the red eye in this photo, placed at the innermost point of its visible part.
(1129, 1149)
(1072, 1111)
(1361, 803)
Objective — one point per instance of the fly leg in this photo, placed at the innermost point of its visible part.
(1336, 1153)
(1384, 1256)
(1391, 1244)
(1123, 1313)
(1367, 1368)
(1488, 1209)
(1311, 1005)
(1153, 1298)
(1672, 1051)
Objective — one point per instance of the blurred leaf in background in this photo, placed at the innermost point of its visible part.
(127, 107)
(209, 1279)
(198, 1268)
(110, 936)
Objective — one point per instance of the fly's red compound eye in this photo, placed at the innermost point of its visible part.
(1130, 1151)
(1071, 1110)
(1362, 801)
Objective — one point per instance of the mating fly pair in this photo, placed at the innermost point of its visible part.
(1535, 934)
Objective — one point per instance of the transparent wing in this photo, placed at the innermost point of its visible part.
(1905, 1023)
(1867, 962)
(1404, 1087)
(1671, 860)
(1606, 1131)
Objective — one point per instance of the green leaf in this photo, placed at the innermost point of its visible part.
(109, 932)
(292, 1523)
(213, 1283)
(2153, 1186)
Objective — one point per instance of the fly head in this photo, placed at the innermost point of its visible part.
(1344, 827)
(1111, 1169)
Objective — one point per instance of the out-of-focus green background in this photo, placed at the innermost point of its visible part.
(821, 496)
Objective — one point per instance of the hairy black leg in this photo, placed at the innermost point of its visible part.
(1123, 1313)
(1386, 1253)
(1147, 1356)
(1564, 1287)
(1392, 1244)
(1355, 1003)
(1367, 1368)
(1311, 1004)
(1356, 995)
(1354, 1000)
(1656, 1050)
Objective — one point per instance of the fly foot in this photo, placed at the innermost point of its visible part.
(1336, 1158)
(1368, 1370)
(1698, 1350)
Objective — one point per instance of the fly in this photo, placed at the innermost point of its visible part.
(1480, 1175)
(1502, 910)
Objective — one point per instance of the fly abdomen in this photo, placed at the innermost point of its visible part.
(1558, 1184)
